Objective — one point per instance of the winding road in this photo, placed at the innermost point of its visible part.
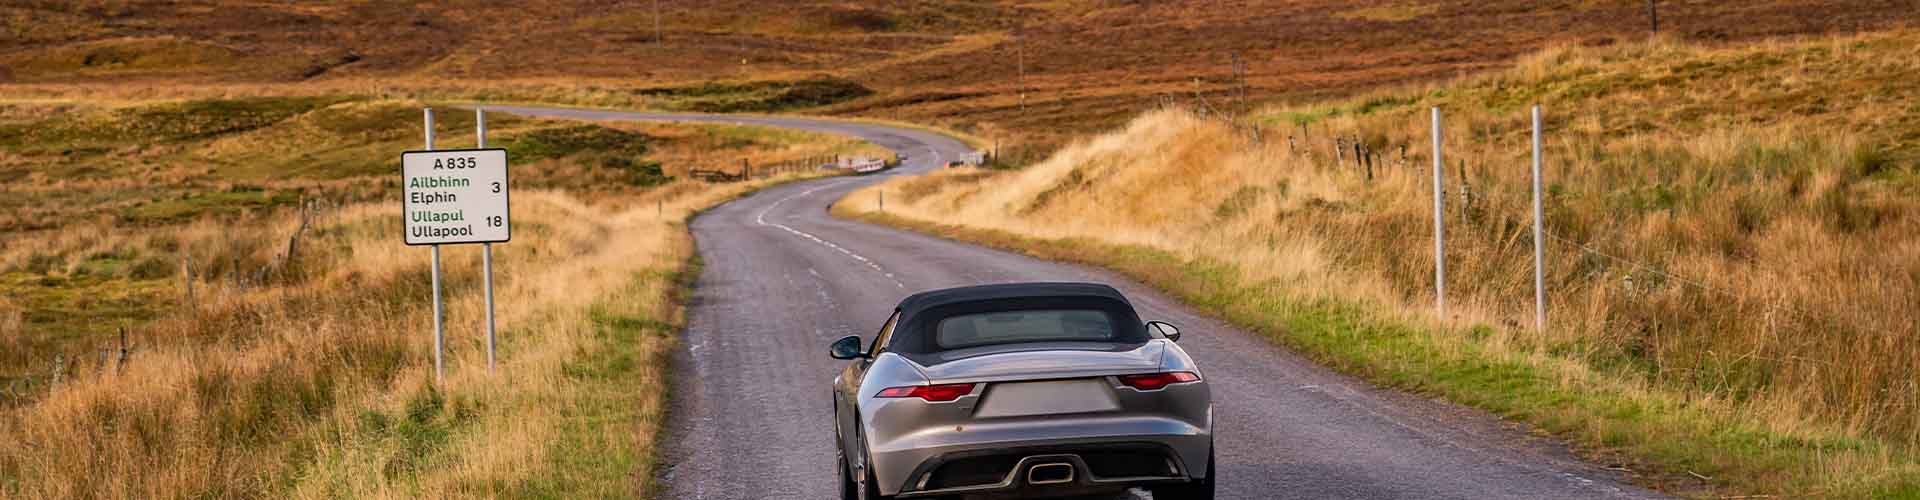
(751, 413)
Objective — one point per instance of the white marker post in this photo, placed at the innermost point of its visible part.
(1539, 246)
(439, 310)
(486, 248)
(454, 197)
(1439, 222)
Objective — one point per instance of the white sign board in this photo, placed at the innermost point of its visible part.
(866, 165)
(455, 196)
(975, 158)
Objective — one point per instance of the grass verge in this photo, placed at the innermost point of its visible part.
(610, 426)
(1606, 419)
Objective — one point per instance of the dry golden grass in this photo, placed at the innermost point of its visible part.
(1732, 234)
(311, 376)
(687, 146)
(266, 388)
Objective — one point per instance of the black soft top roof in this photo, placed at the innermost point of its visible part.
(932, 298)
(920, 310)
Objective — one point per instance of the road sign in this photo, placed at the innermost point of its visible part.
(974, 158)
(866, 165)
(455, 196)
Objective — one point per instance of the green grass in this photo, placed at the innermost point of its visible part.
(162, 123)
(597, 450)
(1651, 431)
(596, 455)
(122, 57)
(1391, 13)
(88, 302)
(560, 142)
(191, 205)
(771, 96)
(421, 430)
(226, 157)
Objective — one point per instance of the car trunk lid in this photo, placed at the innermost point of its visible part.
(1040, 361)
(1044, 378)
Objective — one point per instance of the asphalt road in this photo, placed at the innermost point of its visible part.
(751, 413)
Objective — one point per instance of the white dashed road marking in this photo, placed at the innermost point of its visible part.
(761, 219)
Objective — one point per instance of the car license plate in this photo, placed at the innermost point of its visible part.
(1047, 398)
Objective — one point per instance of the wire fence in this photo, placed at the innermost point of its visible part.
(748, 170)
(1348, 151)
(120, 351)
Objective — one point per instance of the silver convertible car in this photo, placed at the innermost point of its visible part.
(1021, 390)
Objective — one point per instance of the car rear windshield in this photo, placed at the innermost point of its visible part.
(1039, 325)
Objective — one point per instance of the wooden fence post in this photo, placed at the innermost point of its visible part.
(1653, 17)
(125, 351)
(186, 266)
(293, 243)
(1466, 191)
(1358, 157)
(59, 371)
(1367, 154)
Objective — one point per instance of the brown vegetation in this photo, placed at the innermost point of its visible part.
(249, 250)
(1090, 64)
(1731, 231)
(146, 146)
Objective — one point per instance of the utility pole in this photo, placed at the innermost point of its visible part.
(486, 256)
(439, 308)
(1020, 51)
(1539, 246)
(1239, 79)
(1439, 223)
(1653, 16)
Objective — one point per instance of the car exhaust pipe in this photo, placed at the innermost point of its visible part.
(1053, 473)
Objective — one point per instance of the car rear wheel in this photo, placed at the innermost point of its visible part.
(1196, 490)
(849, 489)
(867, 488)
(870, 489)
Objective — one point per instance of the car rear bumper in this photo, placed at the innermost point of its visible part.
(1098, 454)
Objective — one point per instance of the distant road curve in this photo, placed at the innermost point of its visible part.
(751, 416)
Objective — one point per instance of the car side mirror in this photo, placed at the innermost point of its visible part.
(848, 347)
(1165, 329)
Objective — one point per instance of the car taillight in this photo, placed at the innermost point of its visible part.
(934, 393)
(1155, 381)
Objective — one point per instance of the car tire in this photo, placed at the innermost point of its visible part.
(1195, 490)
(849, 489)
(871, 489)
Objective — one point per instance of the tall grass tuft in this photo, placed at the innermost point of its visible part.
(1726, 225)
(255, 374)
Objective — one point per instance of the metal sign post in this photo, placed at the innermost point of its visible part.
(1539, 252)
(486, 249)
(454, 197)
(439, 309)
(1439, 222)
